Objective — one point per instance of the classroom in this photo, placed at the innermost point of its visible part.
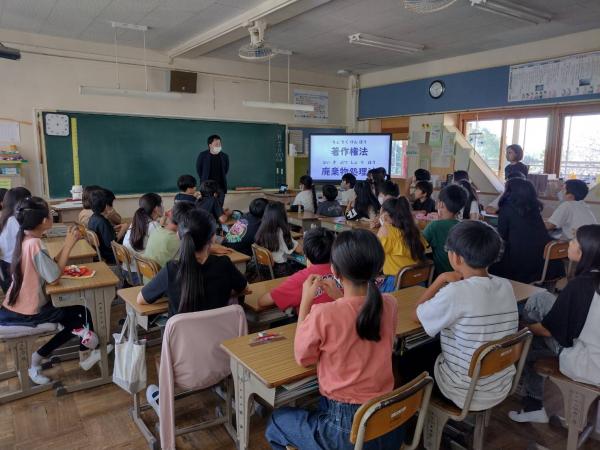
(300, 224)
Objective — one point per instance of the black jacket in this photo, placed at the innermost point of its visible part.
(203, 166)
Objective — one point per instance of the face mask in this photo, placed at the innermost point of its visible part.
(561, 196)
(337, 280)
(381, 221)
(215, 150)
(381, 199)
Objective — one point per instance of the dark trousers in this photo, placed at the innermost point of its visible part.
(5, 278)
(72, 317)
(221, 197)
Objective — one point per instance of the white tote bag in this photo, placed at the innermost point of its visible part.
(129, 372)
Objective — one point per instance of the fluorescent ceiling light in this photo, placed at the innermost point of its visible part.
(94, 90)
(275, 105)
(385, 43)
(512, 10)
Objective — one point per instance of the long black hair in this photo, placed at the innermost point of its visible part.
(399, 211)
(375, 177)
(196, 231)
(365, 199)
(358, 256)
(142, 218)
(274, 219)
(30, 213)
(470, 199)
(85, 195)
(307, 182)
(521, 195)
(9, 204)
(588, 237)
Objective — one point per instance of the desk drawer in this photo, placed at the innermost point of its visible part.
(68, 299)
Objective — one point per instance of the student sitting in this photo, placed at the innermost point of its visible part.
(111, 213)
(375, 177)
(197, 280)
(521, 226)
(401, 240)
(350, 340)
(26, 302)
(451, 201)
(423, 202)
(514, 155)
(347, 194)
(418, 175)
(573, 211)
(317, 248)
(387, 189)
(9, 228)
(493, 206)
(209, 201)
(565, 325)
(330, 207)
(468, 308)
(145, 222)
(307, 197)
(187, 189)
(102, 227)
(274, 234)
(163, 243)
(471, 209)
(86, 212)
(242, 233)
(365, 206)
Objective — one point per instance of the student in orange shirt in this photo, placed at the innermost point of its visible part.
(350, 340)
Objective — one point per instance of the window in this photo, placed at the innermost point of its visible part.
(580, 151)
(399, 164)
(485, 136)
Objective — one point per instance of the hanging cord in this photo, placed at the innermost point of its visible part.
(145, 61)
(269, 80)
(288, 64)
(117, 59)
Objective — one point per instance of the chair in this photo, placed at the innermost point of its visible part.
(577, 399)
(488, 359)
(186, 365)
(123, 259)
(146, 267)
(92, 239)
(20, 341)
(554, 250)
(263, 257)
(390, 411)
(415, 274)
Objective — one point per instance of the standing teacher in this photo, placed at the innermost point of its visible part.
(212, 164)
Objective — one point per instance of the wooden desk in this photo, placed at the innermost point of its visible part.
(68, 212)
(96, 294)
(286, 199)
(82, 252)
(339, 224)
(262, 315)
(303, 219)
(237, 258)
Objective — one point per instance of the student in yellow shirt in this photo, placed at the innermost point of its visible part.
(401, 239)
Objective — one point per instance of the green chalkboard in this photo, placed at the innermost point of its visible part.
(137, 154)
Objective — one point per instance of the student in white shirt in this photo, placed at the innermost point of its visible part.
(347, 194)
(307, 198)
(469, 308)
(573, 212)
(566, 325)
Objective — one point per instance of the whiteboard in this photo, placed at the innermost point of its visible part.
(555, 78)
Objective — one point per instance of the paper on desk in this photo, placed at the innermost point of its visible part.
(9, 132)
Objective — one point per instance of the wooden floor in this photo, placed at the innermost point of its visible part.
(99, 419)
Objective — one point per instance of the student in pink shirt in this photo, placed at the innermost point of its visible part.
(350, 340)
(317, 248)
(26, 302)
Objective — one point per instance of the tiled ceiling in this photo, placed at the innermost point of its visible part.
(318, 38)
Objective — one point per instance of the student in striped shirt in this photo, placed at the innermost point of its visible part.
(469, 308)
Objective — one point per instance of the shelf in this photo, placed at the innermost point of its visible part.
(11, 162)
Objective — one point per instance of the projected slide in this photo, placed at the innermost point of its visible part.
(333, 155)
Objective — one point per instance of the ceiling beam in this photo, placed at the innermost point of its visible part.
(272, 11)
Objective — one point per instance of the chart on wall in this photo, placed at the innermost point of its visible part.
(555, 78)
(318, 99)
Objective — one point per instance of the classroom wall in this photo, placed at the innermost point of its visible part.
(51, 70)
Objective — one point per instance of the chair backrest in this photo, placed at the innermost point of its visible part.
(263, 257)
(415, 274)
(123, 259)
(495, 356)
(554, 250)
(189, 365)
(390, 411)
(82, 229)
(92, 239)
(147, 267)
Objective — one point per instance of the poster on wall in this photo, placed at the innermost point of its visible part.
(319, 99)
(555, 78)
